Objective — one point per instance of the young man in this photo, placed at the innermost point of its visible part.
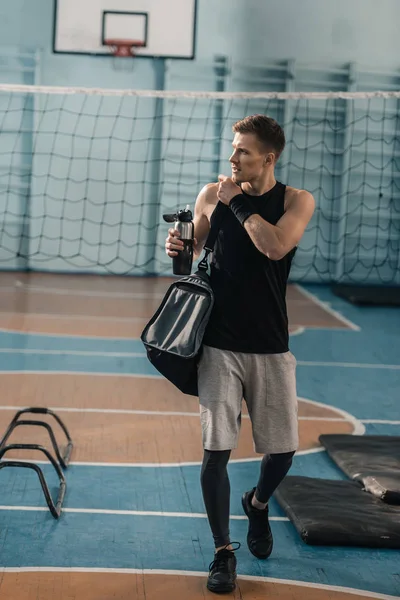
(246, 352)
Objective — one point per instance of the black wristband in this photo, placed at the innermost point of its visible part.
(241, 208)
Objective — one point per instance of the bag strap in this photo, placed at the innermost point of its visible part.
(217, 218)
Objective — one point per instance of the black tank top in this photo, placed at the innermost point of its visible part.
(249, 313)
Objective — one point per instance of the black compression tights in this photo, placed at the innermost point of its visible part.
(216, 487)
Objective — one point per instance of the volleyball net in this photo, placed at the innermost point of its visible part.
(86, 174)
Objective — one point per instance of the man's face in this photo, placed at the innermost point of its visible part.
(249, 158)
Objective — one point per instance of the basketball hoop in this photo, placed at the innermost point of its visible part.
(123, 48)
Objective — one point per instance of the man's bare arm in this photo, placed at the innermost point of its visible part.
(205, 201)
(275, 241)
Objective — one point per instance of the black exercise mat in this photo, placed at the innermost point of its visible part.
(338, 513)
(368, 294)
(373, 460)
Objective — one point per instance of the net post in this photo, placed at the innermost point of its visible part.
(344, 179)
(156, 169)
(221, 70)
(290, 78)
(394, 188)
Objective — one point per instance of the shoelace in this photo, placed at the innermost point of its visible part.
(222, 556)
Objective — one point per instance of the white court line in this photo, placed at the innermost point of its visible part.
(57, 317)
(325, 306)
(90, 294)
(300, 363)
(358, 429)
(321, 328)
(288, 582)
(296, 330)
(163, 413)
(313, 363)
(380, 422)
(113, 465)
(99, 374)
(99, 293)
(98, 338)
(72, 352)
(130, 513)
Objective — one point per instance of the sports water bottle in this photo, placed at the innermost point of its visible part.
(182, 263)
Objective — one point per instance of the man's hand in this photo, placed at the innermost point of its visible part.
(173, 244)
(227, 189)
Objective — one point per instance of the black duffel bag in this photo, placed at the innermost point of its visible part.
(174, 335)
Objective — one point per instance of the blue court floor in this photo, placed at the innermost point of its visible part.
(152, 517)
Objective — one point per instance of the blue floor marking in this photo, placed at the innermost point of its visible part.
(34, 538)
(366, 393)
(313, 345)
(77, 363)
(382, 429)
(168, 489)
(374, 318)
(347, 346)
(58, 342)
(115, 541)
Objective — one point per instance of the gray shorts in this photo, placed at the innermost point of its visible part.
(267, 382)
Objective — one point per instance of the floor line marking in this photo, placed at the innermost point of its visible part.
(296, 330)
(157, 465)
(290, 582)
(79, 317)
(300, 363)
(74, 292)
(131, 513)
(320, 327)
(359, 428)
(163, 413)
(94, 373)
(312, 363)
(380, 422)
(72, 352)
(98, 338)
(325, 306)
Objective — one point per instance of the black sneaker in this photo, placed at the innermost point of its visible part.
(259, 536)
(222, 576)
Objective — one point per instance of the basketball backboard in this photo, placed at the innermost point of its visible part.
(165, 27)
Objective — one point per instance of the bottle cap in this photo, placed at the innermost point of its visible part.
(182, 215)
(185, 215)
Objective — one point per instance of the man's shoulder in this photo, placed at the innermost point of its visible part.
(209, 191)
(294, 196)
(207, 198)
(295, 192)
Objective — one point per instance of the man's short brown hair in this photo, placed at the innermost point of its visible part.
(267, 131)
